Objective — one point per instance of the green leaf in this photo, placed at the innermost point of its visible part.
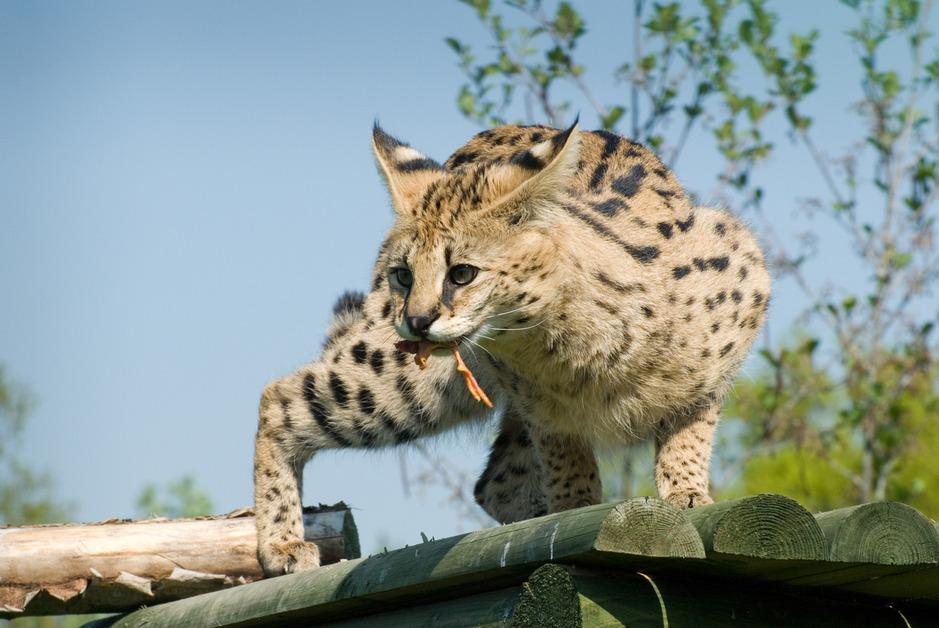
(612, 117)
(901, 260)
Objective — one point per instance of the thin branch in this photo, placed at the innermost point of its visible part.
(637, 55)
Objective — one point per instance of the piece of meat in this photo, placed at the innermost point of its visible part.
(422, 350)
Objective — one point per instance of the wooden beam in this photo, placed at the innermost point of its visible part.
(638, 599)
(885, 533)
(555, 595)
(121, 565)
(760, 526)
(492, 609)
(480, 561)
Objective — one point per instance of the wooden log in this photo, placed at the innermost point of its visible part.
(492, 609)
(760, 526)
(555, 595)
(548, 598)
(480, 561)
(885, 533)
(121, 565)
(638, 599)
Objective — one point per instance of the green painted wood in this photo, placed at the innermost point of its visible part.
(915, 584)
(548, 598)
(492, 609)
(622, 599)
(884, 533)
(643, 601)
(468, 564)
(761, 526)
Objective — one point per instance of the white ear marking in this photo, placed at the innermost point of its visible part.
(405, 153)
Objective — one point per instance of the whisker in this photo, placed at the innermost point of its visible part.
(518, 309)
(481, 347)
(517, 328)
(475, 357)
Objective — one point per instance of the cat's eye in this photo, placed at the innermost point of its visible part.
(462, 274)
(403, 276)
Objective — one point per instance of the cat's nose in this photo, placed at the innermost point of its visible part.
(418, 325)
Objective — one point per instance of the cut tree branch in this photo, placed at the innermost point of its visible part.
(121, 565)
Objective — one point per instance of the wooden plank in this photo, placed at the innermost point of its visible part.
(121, 565)
(492, 609)
(760, 526)
(884, 533)
(467, 564)
(640, 600)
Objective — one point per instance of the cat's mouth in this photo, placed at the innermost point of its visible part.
(424, 348)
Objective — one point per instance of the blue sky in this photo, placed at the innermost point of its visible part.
(186, 187)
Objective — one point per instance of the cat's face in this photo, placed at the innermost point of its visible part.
(466, 240)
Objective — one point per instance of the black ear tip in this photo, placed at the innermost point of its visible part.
(382, 139)
(561, 138)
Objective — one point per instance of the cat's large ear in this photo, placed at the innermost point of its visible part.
(407, 172)
(520, 187)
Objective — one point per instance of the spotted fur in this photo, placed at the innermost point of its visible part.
(605, 309)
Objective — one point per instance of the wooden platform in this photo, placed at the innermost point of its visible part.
(755, 561)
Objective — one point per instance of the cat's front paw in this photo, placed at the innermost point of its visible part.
(278, 558)
(689, 500)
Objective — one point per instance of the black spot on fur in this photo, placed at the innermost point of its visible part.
(726, 349)
(458, 159)
(526, 160)
(736, 296)
(647, 311)
(366, 401)
(319, 411)
(400, 357)
(611, 143)
(686, 224)
(359, 352)
(644, 254)
(377, 361)
(386, 309)
(629, 184)
(680, 271)
(609, 207)
(414, 165)
(666, 194)
(719, 263)
(617, 286)
(720, 229)
(665, 229)
(339, 390)
(598, 175)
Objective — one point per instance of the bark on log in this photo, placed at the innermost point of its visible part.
(120, 565)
